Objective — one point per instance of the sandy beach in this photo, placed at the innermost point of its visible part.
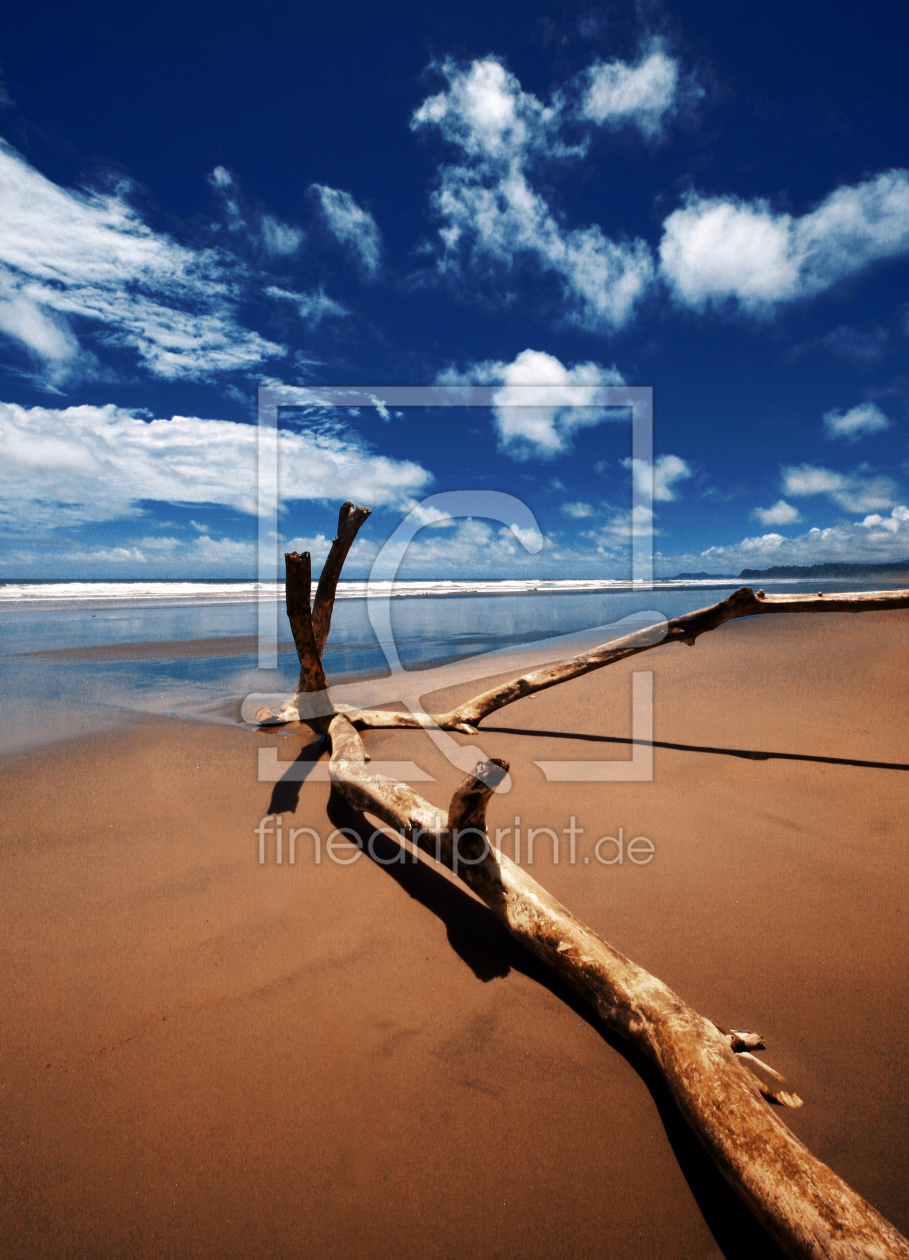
(206, 1055)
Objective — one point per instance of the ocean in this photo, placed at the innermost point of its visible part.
(82, 656)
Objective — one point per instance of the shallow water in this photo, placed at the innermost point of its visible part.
(48, 693)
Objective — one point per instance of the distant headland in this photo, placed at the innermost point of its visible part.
(836, 569)
(843, 568)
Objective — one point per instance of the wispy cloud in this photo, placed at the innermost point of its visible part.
(73, 261)
(311, 307)
(151, 556)
(80, 464)
(844, 342)
(853, 491)
(492, 216)
(528, 426)
(855, 423)
(722, 250)
(353, 226)
(262, 230)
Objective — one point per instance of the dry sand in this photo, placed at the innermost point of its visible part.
(205, 1056)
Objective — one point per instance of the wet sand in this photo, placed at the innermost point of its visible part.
(203, 1055)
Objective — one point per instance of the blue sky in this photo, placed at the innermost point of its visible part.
(709, 200)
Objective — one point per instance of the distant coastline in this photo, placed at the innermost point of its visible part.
(895, 569)
(837, 569)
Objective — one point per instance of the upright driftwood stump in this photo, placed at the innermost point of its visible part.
(720, 1088)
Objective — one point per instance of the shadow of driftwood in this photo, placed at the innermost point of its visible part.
(749, 754)
(285, 795)
(483, 943)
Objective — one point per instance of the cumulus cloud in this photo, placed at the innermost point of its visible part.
(484, 112)
(65, 466)
(892, 524)
(721, 250)
(853, 424)
(579, 510)
(658, 478)
(529, 425)
(491, 215)
(353, 226)
(70, 260)
(876, 540)
(782, 513)
(644, 95)
(852, 491)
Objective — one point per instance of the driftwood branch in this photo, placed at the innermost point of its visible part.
(685, 629)
(350, 519)
(297, 586)
(719, 1086)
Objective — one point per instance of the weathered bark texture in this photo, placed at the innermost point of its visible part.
(350, 519)
(709, 1071)
(297, 590)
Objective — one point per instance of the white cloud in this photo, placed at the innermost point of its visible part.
(766, 544)
(318, 546)
(381, 408)
(475, 548)
(311, 307)
(44, 333)
(782, 513)
(618, 532)
(221, 178)
(531, 540)
(851, 491)
(262, 230)
(353, 226)
(852, 424)
(717, 250)
(659, 478)
(485, 113)
(643, 95)
(892, 524)
(279, 238)
(226, 553)
(492, 217)
(528, 426)
(876, 540)
(171, 556)
(579, 510)
(100, 463)
(469, 548)
(70, 260)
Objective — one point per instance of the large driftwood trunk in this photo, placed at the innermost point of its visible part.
(719, 1086)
